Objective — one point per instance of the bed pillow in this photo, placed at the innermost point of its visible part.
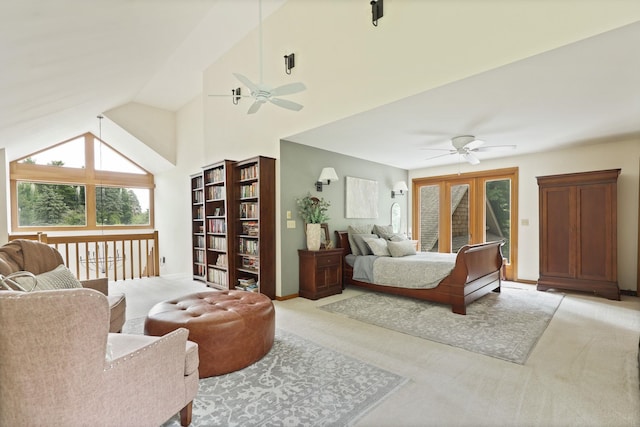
(402, 248)
(357, 229)
(361, 244)
(378, 246)
(386, 232)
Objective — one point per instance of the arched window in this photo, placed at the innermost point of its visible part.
(79, 184)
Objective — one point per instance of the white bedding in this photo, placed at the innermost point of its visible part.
(422, 271)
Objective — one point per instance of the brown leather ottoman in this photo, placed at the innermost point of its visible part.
(233, 328)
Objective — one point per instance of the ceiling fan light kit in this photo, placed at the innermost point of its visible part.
(466, 145)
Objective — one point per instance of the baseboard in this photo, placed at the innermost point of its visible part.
(628, 292)
(286, 297)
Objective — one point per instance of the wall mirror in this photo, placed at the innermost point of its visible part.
(395, 217)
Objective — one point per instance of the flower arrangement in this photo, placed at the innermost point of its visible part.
(313, 210)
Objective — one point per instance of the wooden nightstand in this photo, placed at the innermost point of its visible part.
(320, 273)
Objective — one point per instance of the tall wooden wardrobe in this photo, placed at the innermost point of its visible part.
(578, 232)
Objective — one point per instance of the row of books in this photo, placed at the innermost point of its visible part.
(250, 190)
(221, 261)
(198, 270)
(248, 210)
(218, 243)
(198, 196)
(250, 228)
(250, 263)
(199, 213)
(217, 276)
(214, 175)
(196, 182)
(215, 192)
(198, 256)
(250, 172)
(248, 246)
(247, 284)
(217, 226)
(198, 241)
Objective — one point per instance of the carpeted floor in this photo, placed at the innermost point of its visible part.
(505, 325)
(298, 383)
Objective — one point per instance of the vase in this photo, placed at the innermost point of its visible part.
(314, 237)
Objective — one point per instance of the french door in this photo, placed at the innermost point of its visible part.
(455, 210)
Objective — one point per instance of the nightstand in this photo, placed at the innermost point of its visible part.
(320, 273)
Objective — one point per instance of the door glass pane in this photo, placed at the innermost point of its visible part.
(498, 213)
(429, 214)
(459, 216)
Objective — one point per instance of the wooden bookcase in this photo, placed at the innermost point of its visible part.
(234, 225)
(219, 208)
(254, 187)
(197, 227)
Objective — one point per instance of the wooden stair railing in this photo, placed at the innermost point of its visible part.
(115, 256)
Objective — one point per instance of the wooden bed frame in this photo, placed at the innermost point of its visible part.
(476, 273)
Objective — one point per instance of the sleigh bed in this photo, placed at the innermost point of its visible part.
(476, 272)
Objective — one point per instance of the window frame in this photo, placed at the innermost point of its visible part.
(88, 176)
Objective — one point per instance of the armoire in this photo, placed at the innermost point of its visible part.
(578, 232)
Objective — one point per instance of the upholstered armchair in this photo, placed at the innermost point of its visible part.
(60, 366)
(41, 259)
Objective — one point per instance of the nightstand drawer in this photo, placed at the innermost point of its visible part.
(328, 260)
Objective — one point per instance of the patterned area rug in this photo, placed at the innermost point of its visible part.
(505, 325)
(298, 383)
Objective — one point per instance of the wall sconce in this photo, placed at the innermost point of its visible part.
(399, 189)
(326, 176)
(289, 62)
(376, 11)
(235, 96)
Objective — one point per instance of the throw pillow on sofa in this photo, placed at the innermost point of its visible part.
(58, 278)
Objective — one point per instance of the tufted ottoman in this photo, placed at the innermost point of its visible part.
(233, 328)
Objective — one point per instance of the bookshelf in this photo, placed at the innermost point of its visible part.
(218, 209)
(197, 227)
(234, 225)
(254, 187)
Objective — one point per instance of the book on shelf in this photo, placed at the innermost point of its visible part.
(215, 192)
(249, 172)
(217, 226)
(217, 276)
(248, 210)
(197, 182)
(247, 284)
(198, 196)
(198, 241)
(218, 243)
(250, 263)
(221, 261)
(248, 246)
(250, 228)
(250, 190)
(215, 175)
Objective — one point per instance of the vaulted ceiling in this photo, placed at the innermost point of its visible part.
(66, 61)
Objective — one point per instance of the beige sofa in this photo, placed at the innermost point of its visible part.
(39, 258)
(59, 366)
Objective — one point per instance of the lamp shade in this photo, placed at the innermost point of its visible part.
(400, 187)
(327, 175)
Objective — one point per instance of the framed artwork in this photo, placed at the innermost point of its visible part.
(362, 198)
(325, 237)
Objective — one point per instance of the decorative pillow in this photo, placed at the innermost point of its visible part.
(378, 246)
(383, 230)
(398, 237)
(58, 278)
(403, 248)
(361, 244)
(357, 229)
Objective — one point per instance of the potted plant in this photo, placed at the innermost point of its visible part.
(313, 211)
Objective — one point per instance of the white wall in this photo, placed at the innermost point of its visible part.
(349, 66)
(173, 197)
(623, 153)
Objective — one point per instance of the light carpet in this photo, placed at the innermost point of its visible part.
(505, 325)
(297, 383)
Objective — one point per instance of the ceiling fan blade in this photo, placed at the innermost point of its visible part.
(476, 143)
(288, 89)
(255, 107)
(441, 155)
(471, 158)
(285, 103)
(495, 148)
(245, 81)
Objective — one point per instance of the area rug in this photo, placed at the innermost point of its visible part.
(505, 325)
(298, 383)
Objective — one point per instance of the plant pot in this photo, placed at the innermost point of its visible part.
(314, 237)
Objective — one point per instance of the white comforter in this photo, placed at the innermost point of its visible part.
(423, 270)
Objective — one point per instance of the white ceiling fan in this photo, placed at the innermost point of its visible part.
(262, 93)
(466, 145)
